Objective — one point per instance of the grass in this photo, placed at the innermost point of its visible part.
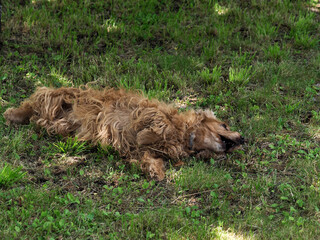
(9, 176)
(255, 63)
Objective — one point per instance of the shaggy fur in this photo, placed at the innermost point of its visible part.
(143, 131)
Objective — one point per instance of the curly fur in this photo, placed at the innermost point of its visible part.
(142, 130)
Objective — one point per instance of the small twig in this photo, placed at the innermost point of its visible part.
(253, 226)
(156, 150)
(192, 194)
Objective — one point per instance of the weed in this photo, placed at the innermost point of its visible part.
(211, 77)
(9, 175)
(266, 30)
(305, 40)
(274, 52)
(240, 76)
(70, 146)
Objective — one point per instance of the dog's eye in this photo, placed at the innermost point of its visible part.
(224, 126)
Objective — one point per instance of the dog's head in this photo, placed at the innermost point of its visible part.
(214, 135)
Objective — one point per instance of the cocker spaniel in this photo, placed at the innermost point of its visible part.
(143, 131)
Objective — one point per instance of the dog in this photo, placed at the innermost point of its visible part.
(143, 131)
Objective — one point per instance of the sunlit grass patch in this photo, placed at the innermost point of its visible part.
(228, 234)
(220, 10)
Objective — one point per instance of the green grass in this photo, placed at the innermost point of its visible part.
(9, 176)
(255, 63)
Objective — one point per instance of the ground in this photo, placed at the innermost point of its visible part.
(255, 63)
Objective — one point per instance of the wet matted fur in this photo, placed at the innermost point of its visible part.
(144, 131)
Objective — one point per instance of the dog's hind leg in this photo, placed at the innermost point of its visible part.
(19, 115)
(49, 108)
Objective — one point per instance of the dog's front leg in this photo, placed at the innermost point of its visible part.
(152, 166)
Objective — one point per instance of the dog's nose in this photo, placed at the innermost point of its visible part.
(242, 140)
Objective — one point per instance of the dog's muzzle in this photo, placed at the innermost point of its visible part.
(231, 144)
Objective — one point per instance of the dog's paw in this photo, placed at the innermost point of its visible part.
(9, 116)
(157, 174)
(17, 115)
(154, 167)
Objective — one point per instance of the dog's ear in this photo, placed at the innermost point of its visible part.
(147, 137)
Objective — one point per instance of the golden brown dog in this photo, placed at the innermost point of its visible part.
(142, 130)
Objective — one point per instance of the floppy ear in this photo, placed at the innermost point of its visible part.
(147, 137)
